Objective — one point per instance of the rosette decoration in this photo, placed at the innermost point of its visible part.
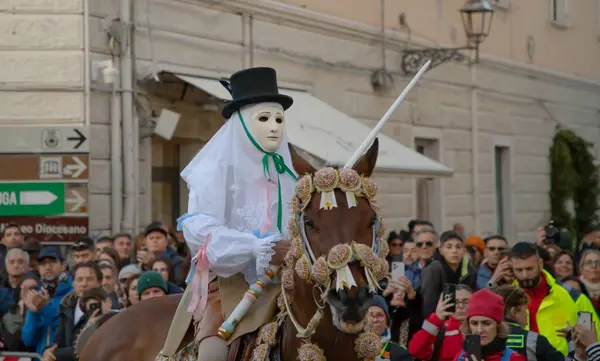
(326, 180)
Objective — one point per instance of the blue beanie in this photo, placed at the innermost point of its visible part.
(380, 302)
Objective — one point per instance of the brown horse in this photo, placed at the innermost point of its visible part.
(138, 333)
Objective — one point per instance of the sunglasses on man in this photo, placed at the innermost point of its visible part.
(427, 244)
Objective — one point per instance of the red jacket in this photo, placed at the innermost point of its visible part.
(421, 344)
(515, 356)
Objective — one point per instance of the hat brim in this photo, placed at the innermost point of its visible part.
(232, 106)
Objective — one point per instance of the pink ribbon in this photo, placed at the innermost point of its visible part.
(269, 220)
(200, 279)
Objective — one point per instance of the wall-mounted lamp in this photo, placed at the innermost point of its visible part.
(477, 18)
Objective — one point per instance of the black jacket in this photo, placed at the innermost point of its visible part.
(67, 331)
(438, 273)
(532, 345)
(394, 352)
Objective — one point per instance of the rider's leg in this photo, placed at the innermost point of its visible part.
(179, 325)
(213, 349)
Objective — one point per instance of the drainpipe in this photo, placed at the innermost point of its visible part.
(127, 114)
(135, 119)
(475, 150)
(116, 184)
(86, 61)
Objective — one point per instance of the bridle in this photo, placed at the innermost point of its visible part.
(318, 270)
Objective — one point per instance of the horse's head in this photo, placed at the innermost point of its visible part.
(335, 235)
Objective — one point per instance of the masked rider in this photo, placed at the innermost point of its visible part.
(240, 185)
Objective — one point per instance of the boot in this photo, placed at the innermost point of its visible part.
(178, 328)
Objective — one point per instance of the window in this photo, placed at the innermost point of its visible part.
(502, 188)
(503, 4)
(428, 194)
(559, 12)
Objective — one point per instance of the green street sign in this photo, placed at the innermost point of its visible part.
(32, 199)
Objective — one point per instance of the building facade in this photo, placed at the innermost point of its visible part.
(491, 123)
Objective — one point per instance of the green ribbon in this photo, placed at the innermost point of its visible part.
(280, 167)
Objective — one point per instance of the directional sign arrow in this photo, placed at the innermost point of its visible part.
(36, 198)
(77, 202)
(80, 138)
(75, 170)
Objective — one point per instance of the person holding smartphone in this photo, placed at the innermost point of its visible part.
(485, 331)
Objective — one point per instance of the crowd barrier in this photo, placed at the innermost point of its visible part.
(19, 356)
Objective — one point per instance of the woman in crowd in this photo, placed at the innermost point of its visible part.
(590, 275)
(475, 247)
(109, 255)
(125, 276)
(12, 322)
(378, 322)
(132, 293)
(528, 343)
(440, 338)
(485, 316)
(164, 267)
(563, 265)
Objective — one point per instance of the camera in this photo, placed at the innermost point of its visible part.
(552, 234)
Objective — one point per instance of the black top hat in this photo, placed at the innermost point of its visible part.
(252, 86)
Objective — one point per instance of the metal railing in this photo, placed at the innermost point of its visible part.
(20, 355)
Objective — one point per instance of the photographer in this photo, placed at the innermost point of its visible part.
(42, 303)
(72, 316)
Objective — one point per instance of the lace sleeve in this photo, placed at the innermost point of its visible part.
(229, 251)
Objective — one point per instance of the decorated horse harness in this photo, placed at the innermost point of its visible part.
(302, 260)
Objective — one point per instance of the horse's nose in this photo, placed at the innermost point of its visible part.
(363, 294)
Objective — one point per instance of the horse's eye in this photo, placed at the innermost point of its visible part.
(308, 223)
(374, 221)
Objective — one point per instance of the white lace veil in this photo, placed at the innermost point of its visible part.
(227, 180)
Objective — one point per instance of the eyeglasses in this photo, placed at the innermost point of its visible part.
(496, 249)
(426, 243)
(377, 315)
(124, 280)
(592, 263)
(395, 244)
(464, 303)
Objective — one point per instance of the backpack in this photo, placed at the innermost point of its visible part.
(505, 355)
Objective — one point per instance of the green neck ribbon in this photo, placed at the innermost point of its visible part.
(280, 167)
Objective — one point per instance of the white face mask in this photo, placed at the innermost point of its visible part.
(267, 127)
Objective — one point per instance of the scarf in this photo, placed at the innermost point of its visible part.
(592, 288)
(496, 346)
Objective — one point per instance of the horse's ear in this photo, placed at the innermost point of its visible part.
(301, 166)
(366, 163)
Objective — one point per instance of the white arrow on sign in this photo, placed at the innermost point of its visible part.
(75, 170)
(77, 202)
(36, 198)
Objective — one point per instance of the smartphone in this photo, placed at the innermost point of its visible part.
(93, 307)
(585, 319)
(397, 270)
(450, 293)
(504, 254)
(473, 347)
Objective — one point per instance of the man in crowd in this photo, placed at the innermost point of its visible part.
(426, 242)
(550, 305)
(109, 283)
(84, 250)
(496, 270)
(12, 237)
(33, 247)
(151, 285)
(157, 246)
(102, 243)
(72, 318)
(43, 303)
(123, 244)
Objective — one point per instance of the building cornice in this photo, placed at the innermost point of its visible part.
(295, 16)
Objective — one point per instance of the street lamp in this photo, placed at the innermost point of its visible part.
(477, 18)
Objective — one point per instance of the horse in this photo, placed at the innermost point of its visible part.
(324, 296)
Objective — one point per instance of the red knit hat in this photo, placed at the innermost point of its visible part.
(487, 304)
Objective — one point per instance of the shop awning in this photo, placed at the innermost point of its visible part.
(333, 136)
